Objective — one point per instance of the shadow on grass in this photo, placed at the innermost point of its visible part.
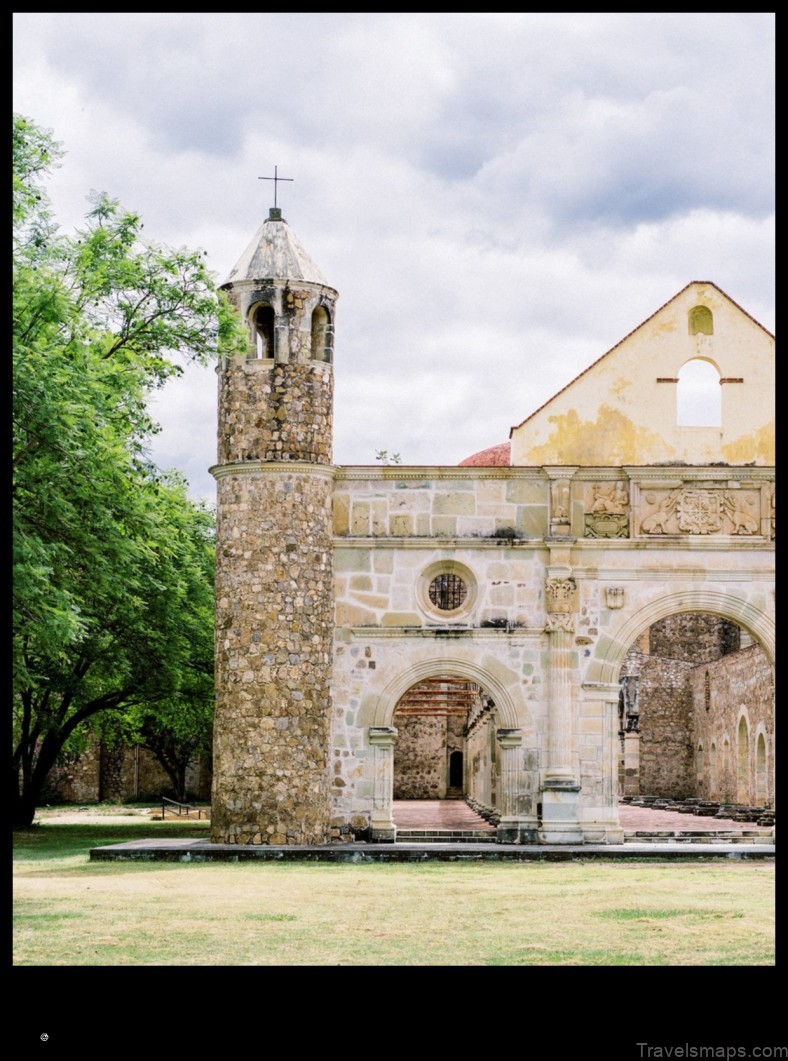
(41, 843)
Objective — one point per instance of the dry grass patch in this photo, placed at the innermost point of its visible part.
(73, 912)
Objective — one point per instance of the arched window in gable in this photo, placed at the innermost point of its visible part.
(701, 321)
(698, 395)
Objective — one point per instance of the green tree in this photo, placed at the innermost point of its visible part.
(112, 590)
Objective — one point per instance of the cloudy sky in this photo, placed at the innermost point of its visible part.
(498, 198)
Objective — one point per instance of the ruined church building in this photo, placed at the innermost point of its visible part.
(584, 612)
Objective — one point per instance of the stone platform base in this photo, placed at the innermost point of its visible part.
(205, 851)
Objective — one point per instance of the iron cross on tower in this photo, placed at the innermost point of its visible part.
(276, 178)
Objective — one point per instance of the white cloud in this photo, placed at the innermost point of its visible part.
(498, 198)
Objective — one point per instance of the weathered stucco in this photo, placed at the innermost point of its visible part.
(624, 406)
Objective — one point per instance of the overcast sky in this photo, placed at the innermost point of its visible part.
(498, 198)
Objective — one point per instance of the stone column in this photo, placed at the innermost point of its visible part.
(382, 739)
(599, 814)
(614, 832)
(561, 791)
(631, 764)
(518, 823)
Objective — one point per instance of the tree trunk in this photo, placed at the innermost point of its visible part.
(23, 803)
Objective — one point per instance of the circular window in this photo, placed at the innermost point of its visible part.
(447, 590)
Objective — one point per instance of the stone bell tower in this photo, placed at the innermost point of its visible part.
(274, 579)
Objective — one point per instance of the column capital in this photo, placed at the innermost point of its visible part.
(561, 594)
(382, 736)
(509, 738)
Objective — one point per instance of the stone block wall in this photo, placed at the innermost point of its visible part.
(366, 664)
(432, 503)
(526, 503)
(75, 778)
(421, 756)
(692, 740)
(484, 760)
(379, 585)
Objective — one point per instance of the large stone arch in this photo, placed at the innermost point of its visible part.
(611, 649)
(378, 707)
(517, 735)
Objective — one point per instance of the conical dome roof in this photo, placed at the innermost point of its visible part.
(275, 253)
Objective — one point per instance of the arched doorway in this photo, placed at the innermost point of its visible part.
(456, 778)
(438, 721)
(501, 756)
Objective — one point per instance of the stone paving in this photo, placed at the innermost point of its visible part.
(645, 819)
(437, 814)
(456, 814)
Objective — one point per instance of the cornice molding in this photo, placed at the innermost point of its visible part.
(272, 468)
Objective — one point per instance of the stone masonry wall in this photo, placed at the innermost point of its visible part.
(75, 778)
(694, 637)
(483, 760)
(738, 686)
(128, 774)
(420, 758)
(525, 503)
(512, 504)
(274, 411)
(274, 635)
(666, 728)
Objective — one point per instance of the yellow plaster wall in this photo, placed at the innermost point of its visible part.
(617, 413)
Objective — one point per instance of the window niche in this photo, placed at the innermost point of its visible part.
(322, 335)
(263, 332)
(701, 321)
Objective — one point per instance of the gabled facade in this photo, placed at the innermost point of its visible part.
(639, 403)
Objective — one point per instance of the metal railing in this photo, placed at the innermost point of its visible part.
(184, 809)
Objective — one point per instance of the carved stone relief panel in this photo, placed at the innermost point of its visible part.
(695, 510)
(614, 596)
(606, 510)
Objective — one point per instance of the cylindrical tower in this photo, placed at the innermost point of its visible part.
(274, 578)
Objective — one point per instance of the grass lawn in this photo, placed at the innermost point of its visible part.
(69, 911)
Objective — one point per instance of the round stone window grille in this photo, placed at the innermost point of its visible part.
(447, 592)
